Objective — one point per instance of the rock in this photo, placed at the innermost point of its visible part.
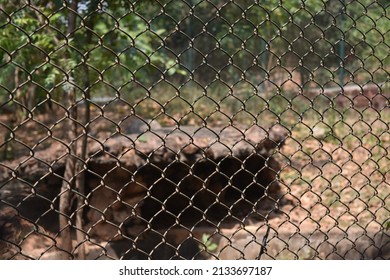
(319, 132)
(134, 124)
(163, 176)
(13, 229)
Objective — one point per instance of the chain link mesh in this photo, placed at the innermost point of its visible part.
(191, 129)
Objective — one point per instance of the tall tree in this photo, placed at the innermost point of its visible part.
(70, 166)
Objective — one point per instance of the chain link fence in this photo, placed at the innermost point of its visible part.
(194, 129)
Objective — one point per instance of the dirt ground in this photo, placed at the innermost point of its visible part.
(335, 169)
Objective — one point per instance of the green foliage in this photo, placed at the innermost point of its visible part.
(387, 225)
(35, 46)
(208, 243)
(128, 44)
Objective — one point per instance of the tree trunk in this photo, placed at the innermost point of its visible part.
(65, 203)
(70, 167)
(30, 97)
(18, 95)
(80, 183)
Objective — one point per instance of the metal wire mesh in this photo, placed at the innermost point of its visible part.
(191, 129)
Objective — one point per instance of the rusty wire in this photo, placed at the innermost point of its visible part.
(194, 129)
